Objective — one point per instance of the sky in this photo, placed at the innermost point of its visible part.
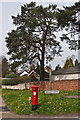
(12, 8)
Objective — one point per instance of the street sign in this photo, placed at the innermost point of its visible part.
(51, 92)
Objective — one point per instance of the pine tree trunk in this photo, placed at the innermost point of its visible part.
(42, 57)
(42, 68)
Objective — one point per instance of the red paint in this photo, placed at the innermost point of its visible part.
(34, 95)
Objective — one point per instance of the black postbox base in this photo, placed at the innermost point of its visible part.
(34, 107)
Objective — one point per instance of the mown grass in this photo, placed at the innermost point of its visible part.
(18, 101)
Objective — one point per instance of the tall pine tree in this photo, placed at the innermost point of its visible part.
(34, 39)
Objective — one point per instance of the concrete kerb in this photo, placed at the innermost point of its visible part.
(12, 115)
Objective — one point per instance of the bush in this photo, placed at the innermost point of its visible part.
(13, 81)
(11, 76)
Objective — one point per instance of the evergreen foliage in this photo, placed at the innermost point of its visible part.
(68, 63)
(11, 76)
(69, 19)
(76, 62)
(5, 66)
(58, 67)
(13, 81)
(34, 38)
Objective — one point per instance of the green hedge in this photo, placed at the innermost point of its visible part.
(13, 81)
(11, 75)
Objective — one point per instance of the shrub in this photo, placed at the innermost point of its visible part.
(11, 76)
(13, 81)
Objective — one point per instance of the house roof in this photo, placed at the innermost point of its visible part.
(24, 73)
(32, 73)
(46, 74)
(71, 70)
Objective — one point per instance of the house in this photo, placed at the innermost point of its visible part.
(36, 75)
(72, 73)
(23, 73)
(46, 74)
(47, 69)
(33, 76)
(66, 79)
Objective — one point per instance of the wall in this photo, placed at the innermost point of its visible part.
(45, 85)
(59, 82)
(57, 85)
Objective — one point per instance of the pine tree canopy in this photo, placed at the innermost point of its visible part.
(69, 19)
(34, 38)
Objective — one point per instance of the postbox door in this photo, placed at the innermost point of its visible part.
(34, 96)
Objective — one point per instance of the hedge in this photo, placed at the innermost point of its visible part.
(11, 75)
(13, 81)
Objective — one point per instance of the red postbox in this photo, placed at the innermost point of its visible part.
(34, 97)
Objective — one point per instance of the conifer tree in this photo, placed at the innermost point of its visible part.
(69, 19)
(58, 67)
(76, 62)
(71, 63)
(68, 63)
(5, 66)
(34, 38)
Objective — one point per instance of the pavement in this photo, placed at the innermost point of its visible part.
(7, 114)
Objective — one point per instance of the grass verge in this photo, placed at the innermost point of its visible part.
(18, 101)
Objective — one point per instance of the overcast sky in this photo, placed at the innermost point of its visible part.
(12, 8)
